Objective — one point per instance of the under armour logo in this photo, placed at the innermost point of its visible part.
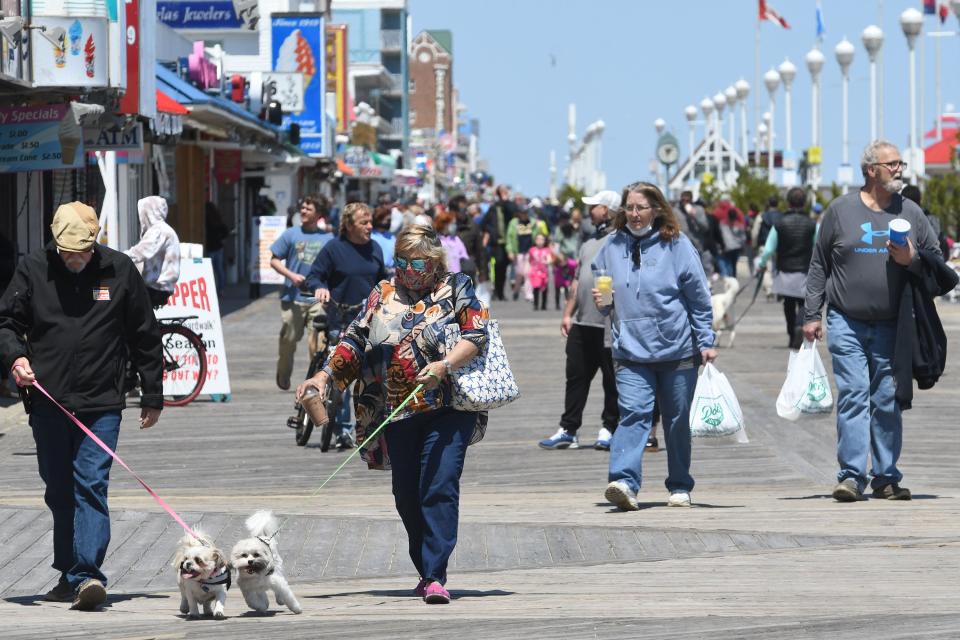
(869, 234)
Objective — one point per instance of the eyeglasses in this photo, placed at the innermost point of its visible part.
(893, 165)
(418, 264)
(636, 208)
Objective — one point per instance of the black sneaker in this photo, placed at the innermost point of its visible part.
(652, 445)
(892, 492)
(848, 491)
(90, 595)
(63, 592)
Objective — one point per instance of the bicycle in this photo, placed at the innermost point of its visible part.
(184, 362)
(301, 423)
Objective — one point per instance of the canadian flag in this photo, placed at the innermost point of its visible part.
(769, 13)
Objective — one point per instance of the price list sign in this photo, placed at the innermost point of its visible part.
(29, 141)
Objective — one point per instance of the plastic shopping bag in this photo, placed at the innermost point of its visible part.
(715, 411)
(483, 292)
(807, 388)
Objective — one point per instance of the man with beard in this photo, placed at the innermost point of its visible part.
(861, 275)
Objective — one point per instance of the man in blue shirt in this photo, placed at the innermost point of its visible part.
(293, 256)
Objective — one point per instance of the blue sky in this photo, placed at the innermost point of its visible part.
(629, 62)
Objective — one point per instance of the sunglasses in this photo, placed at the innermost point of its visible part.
(417, 264)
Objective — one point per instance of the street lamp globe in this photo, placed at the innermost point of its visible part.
(814, 60)
(872, 41)
(772, 80)
(767, 117)
(659, 124)
(743, 87)
(731, 95)
(762, 130)
(706, 106)
(844, 52)
(690, 112)
(599, 126)
(911, 21)
(788, 71)
(719, 103)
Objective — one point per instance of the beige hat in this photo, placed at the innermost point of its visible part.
(75, 227)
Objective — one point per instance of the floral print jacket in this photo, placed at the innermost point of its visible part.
(388, 344)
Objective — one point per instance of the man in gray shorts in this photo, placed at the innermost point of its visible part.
(861, 275)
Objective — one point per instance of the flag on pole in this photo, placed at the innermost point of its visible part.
(821, 28)
(944, 11)
(930, 7)
(937, 8)
(766, 12)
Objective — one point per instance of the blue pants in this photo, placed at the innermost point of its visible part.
(868, 415)
(426, 454)
(728, 263)
(638, 386)
(76, 472)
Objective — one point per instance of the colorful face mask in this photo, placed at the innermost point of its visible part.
(412, 278)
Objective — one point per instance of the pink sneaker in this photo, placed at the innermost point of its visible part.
(421, 589)
(436, 594)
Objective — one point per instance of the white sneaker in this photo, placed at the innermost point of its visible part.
(620, 494)
(679, 499)
(603, 440)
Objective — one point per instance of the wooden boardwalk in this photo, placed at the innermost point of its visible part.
(764, 553)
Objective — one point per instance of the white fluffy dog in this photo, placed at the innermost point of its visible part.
(259, 565)
(722, 302)
(202, 575)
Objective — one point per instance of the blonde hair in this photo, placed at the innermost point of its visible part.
(350, 212)
(422, 241)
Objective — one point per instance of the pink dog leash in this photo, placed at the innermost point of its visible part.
(102, 444)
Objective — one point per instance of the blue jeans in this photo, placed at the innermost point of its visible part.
(728, 263)
(76, 472)
(426, 455)
(638, 386)
(868, 416)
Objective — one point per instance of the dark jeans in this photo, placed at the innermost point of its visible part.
(426, 454)
(76, 472)
(793, 309)
(499, 271)
(586, 354)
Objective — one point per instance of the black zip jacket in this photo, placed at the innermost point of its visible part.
(79, 329)
(921, 348)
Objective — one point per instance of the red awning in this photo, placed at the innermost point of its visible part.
(166, 104)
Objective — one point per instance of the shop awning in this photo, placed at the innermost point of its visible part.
(166, 104)
(209, 110)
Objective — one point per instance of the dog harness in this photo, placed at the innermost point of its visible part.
(221, 578)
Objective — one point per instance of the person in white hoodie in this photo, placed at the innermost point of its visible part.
(157, 255)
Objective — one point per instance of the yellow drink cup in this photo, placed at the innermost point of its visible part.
(604, 284)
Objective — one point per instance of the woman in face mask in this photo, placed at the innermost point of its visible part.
(445, 225)
(396, 344)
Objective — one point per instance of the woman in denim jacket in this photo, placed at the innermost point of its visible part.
(661, 328)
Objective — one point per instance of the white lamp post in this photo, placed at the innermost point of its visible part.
(691, 114)
(743, 90)
(872, 41)
(814, 60)
(911, 21)
(731, 94)
(719, 104)
(788, 71)
(772, 80)
(706, 107)
(659, 125)
(844, 52)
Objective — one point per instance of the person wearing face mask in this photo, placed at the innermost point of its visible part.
(861, 276)
(73, 316)
(445, 225)
(396, 344)
(661, 320)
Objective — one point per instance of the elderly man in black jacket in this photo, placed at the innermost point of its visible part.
(73, 315)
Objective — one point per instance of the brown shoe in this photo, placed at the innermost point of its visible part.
(848, 491)
(63, 592)
(892, 491)
(90, 595)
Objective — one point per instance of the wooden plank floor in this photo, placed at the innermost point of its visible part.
(764, 553)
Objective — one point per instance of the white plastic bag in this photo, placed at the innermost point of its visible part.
(483, 292)
(807, 387)
(715, 411)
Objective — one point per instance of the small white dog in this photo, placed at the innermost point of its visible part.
(202, 575)
(259, 565)
(722, 302)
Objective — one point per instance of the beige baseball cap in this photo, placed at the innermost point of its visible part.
(75, 227)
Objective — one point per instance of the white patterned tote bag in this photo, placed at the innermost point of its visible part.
(486, 382)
